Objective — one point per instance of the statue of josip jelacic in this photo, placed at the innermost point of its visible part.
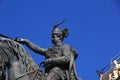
(59, 60)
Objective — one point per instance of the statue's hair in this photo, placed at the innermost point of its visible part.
(65, 32)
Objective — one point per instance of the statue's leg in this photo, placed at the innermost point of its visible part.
(53, 76)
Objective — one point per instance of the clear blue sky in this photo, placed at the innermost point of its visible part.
(94, 27)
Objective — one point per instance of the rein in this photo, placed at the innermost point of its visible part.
(27, 73)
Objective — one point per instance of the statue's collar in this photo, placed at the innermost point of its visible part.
(59, 44)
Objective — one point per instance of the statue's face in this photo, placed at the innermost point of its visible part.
(56, 38)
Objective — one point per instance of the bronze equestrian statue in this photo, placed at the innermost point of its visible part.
(59, 62)
(59, 59)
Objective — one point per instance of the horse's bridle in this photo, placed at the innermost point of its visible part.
(27, 73)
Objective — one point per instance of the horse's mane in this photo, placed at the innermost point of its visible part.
(18, 50)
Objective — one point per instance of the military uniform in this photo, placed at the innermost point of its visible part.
(59, 62)
(60, 59)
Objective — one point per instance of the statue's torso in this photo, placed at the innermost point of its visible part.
(54, 52)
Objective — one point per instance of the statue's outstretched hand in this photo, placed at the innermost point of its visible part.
(21, 40)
